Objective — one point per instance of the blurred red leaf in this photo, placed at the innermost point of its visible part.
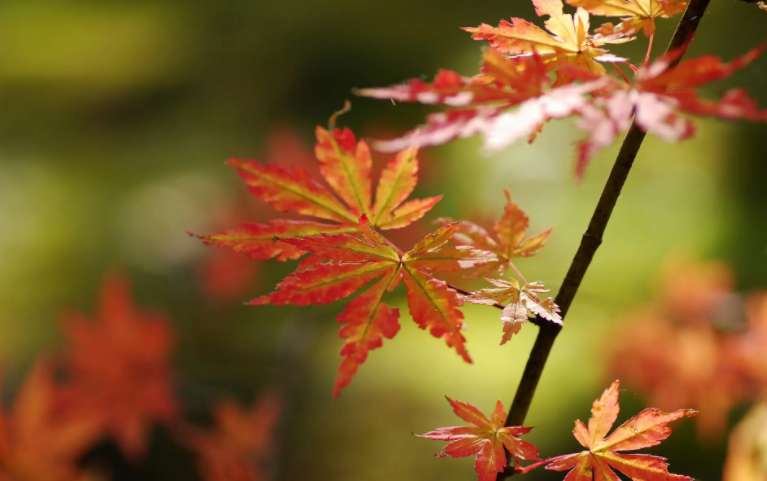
(240, 445)
(39, 439)
(117, 366)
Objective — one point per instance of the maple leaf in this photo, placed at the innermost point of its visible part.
(512, 99)
(487, 440)
(603, 454)
(639, 15)
(347, 263)
(40, 441)
(567, 40)
(510, 242)
(521, 300)
(240, 443)
(659, 98)
(346, 165)
(118, 366)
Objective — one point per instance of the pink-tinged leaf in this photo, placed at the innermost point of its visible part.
(513, 316)
(346, 165)
(442, 127)
(289, 190)
(541, 308)
(435, 307)
(367, 322)
(507, 128)
(448, 88)
(521, 300)
(659, 99)
(260, 240)
(487, 440)
(646, 429)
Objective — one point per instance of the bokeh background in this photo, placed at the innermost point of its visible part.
(116, 119)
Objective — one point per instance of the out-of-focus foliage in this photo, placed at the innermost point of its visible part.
(693, 347)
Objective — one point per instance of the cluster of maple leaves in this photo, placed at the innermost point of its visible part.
(349, 253)
(530, 76)
(113, 381)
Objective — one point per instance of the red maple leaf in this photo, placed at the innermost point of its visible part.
(512, 99)
(659, 98)
(346, 166)
(487, 440)
(118, 366)
(603, 453)
(240, 445)
(342, 264)
(39, 439)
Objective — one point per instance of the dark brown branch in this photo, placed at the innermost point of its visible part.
(590, 241)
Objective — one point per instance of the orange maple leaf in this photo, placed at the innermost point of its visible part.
(344, 264)
(346, 166)
(239, 446)
(510, 242)
(118, 367)
(39, 440)
(602, 455)
(638, 14)
(568, 41)
(487, 440)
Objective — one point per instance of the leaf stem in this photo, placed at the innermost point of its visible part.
(626, 79)
(591, 240)
(521, 277)
(649, 51)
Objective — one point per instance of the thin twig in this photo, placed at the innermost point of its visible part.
(591, 240)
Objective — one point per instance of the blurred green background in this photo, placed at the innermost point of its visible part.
(116, 119)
